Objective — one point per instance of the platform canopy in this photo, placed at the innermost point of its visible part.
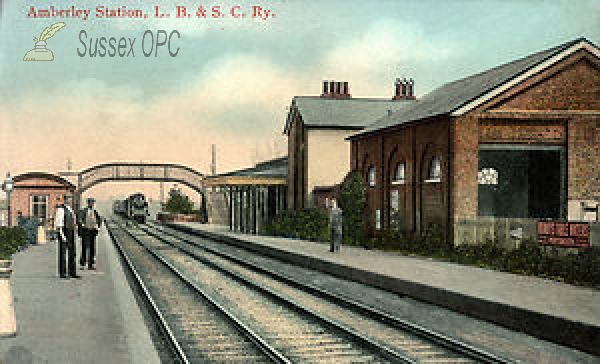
(269, 173)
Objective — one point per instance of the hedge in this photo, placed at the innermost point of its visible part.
(12, 239)
(309, 224)
(581, 267)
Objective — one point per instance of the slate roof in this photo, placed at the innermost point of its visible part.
(277, 167)
(451, 96)
(350, 113)
(42, 175)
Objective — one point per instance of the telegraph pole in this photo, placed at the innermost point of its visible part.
(213, 165)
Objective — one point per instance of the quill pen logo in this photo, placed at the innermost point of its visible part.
(40, 52)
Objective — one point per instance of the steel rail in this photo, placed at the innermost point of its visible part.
(163, 325)
(380, 349)
(440, 339)
(267, 349)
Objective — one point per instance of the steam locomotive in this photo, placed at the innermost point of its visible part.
(134, 207)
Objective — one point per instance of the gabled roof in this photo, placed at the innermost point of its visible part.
(277, 167)
(349, 114)
(458, 97)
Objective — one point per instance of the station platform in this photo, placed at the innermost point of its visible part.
(95, 319)
(562, 313)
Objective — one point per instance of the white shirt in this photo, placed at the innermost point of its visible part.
(90, 219)
(59, 218)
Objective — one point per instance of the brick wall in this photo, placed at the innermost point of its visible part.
(465, 160)
(571, 85)
(297, 168)
(21, 196)
(422, 203)
(584, 158)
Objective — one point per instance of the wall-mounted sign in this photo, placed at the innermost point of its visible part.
(565, 234)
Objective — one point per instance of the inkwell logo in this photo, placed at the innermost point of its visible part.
(40, 52)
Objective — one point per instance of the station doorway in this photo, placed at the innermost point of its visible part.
(522, 181)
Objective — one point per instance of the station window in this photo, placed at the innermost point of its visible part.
(400, 175)
(371, 175)
(435, 169)
(39, 206)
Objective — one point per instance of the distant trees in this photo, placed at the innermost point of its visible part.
(178, 203)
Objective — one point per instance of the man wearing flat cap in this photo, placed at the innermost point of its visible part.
(65, 223)
(89, 225)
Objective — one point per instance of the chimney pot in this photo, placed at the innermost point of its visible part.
(404, 89)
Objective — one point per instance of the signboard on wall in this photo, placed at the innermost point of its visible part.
(565, 234)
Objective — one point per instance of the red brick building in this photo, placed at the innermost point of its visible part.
(36, 194)
(514, 144)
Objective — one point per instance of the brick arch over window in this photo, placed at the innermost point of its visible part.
(398, 193)
(433, 209)
(371, 193)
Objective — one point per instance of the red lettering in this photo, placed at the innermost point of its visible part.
(234, 11)
(181, 11)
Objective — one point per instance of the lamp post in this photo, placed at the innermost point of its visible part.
(7, 186)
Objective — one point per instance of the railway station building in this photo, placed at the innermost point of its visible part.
(489, 155)
(37, 195)
(317, 128)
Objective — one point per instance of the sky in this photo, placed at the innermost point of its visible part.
(234, 78)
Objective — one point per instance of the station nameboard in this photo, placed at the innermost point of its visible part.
(565, 234)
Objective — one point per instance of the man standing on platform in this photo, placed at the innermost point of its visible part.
(336, 222)
(65, 223)
(89, 225)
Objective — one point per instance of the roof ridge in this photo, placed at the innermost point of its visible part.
(553, 51)
(348, 98)
(439, 101)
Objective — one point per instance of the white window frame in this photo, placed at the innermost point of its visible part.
(433, 178)
(397, 180)
(32, 203)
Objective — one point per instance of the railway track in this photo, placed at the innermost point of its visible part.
(411, 342)
(197, 328)
(293, 332)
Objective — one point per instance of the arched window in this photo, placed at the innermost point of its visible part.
(371, 176)
(400, 173)
(435, 169)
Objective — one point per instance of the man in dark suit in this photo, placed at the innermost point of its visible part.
(89, 225)
(65, 223)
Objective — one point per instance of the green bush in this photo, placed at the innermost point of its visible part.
(582, 268)
(352, 201)
(11, 240)
(309, 224)
(178, 203)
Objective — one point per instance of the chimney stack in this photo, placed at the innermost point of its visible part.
(335, 90)
(404, 89)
